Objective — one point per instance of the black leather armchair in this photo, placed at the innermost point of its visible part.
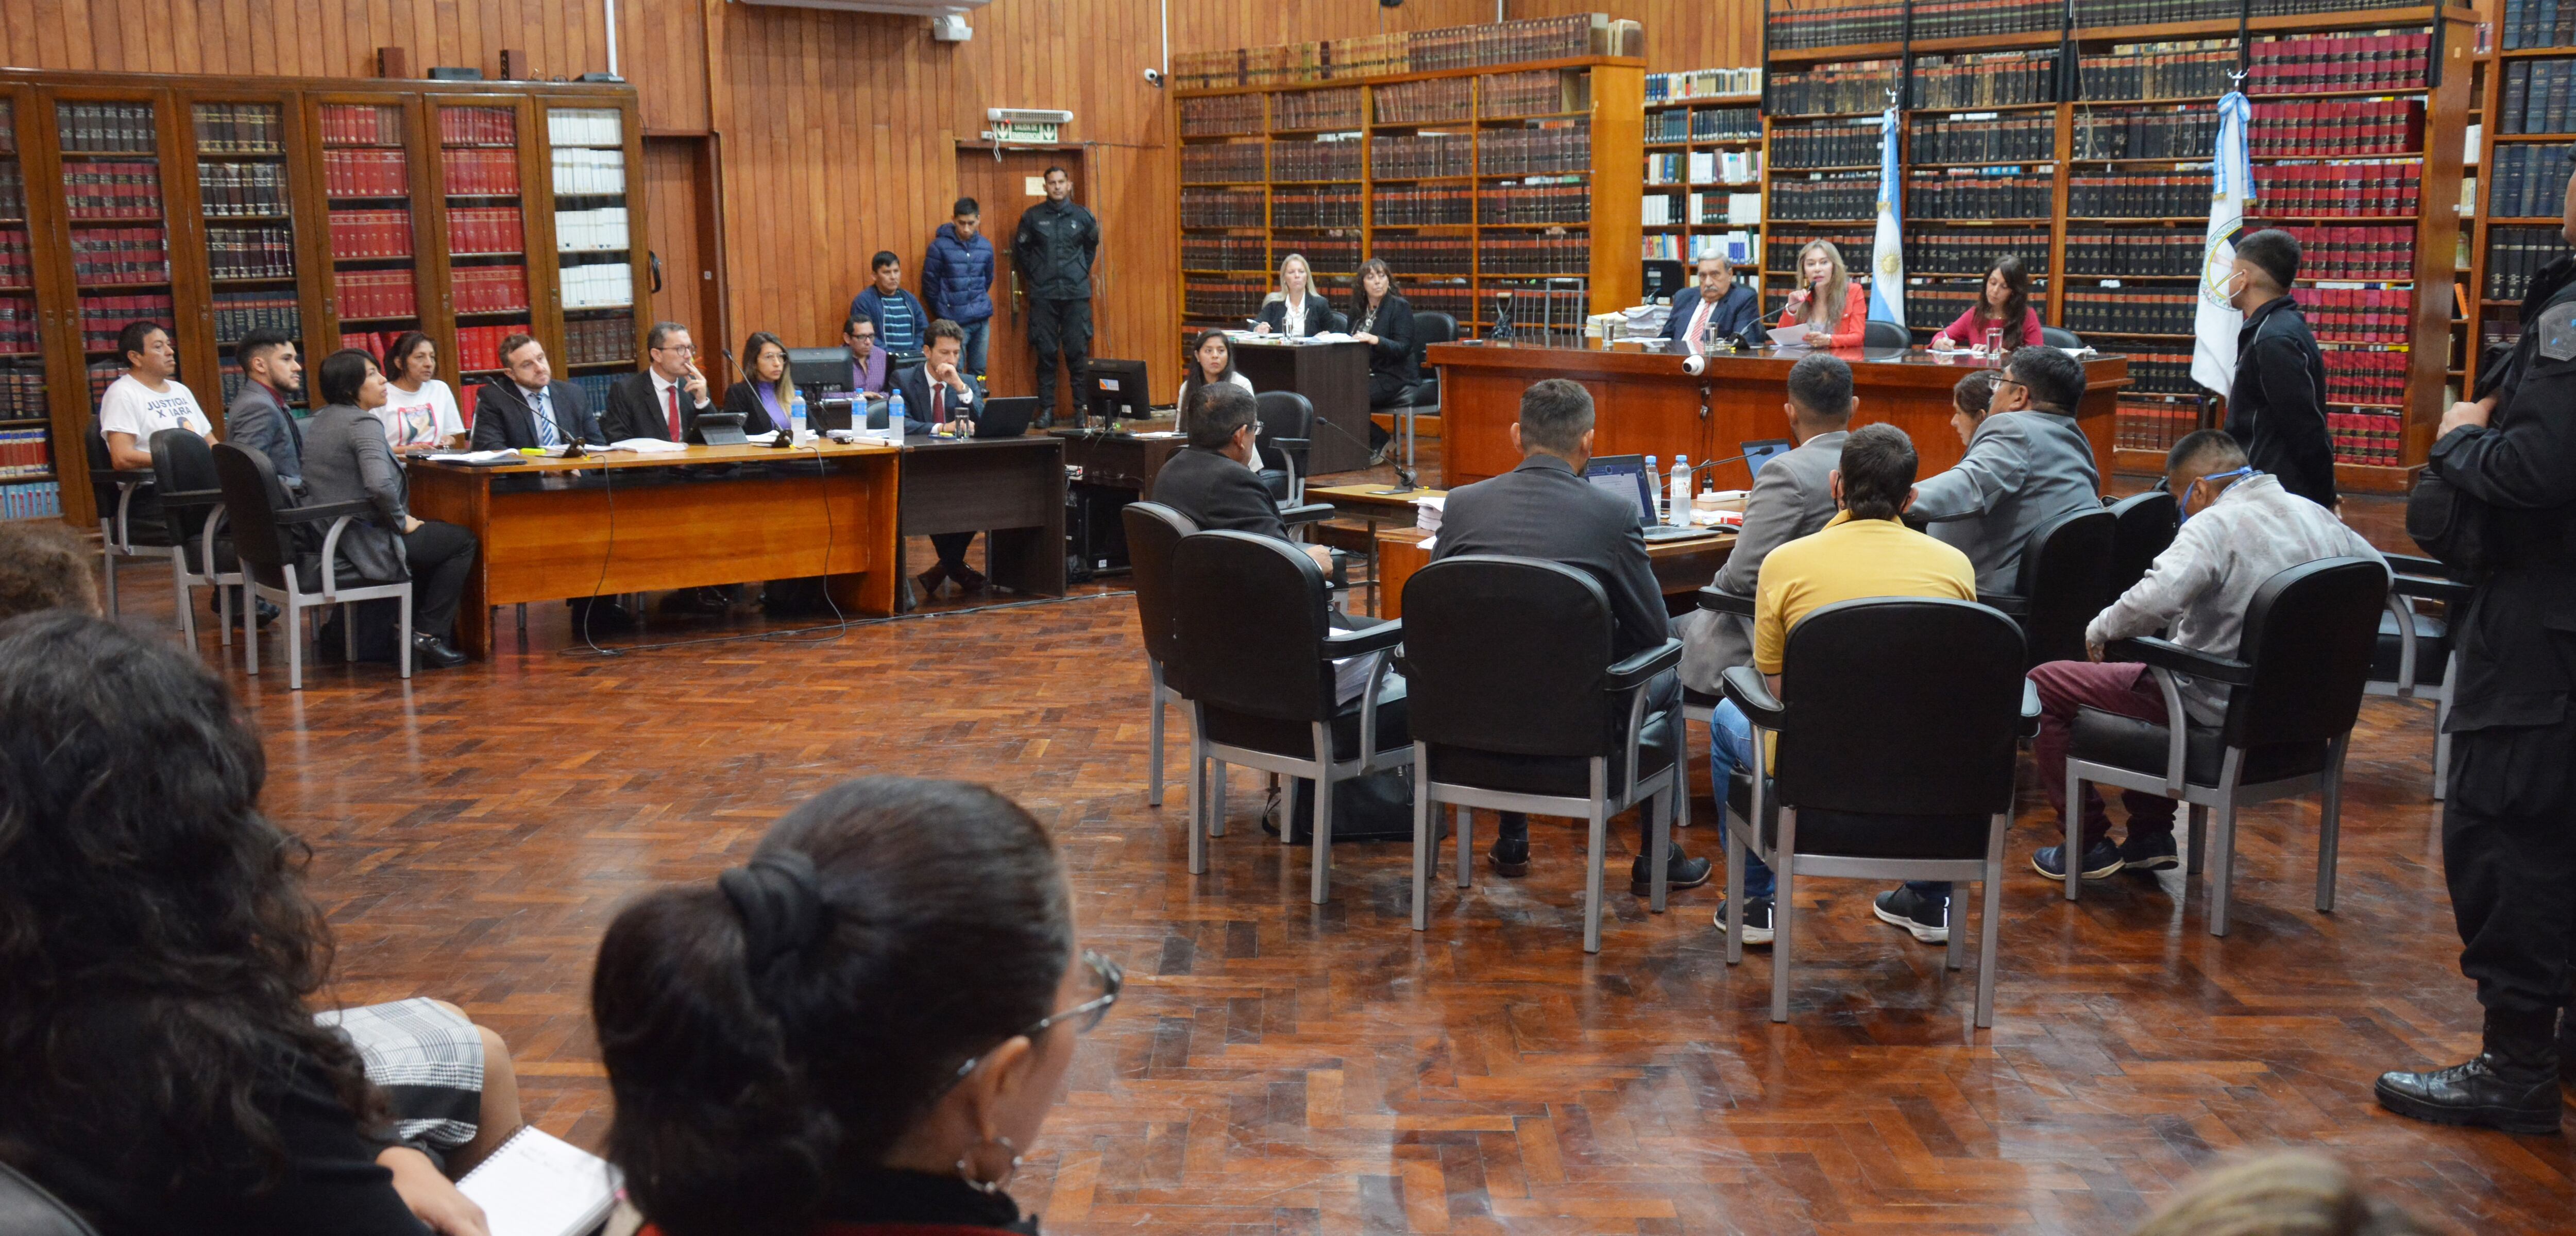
(1153, 532)
(2142, 526)
(128, 527)
(270, 536)
(1878, 334)
(2059, 337)
(192, 499)
(2294, 689)
(1697, 705)
(1896, 759)
(1284, 436)
(1256, 652)
(2065, 580)
(2415, 657)
(1565, 734)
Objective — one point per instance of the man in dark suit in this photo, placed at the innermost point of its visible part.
(1717, 308)
(1212, 483)
(1545, 509)
(531, 409)
(665, 399)
(257, 418)
(939, 397)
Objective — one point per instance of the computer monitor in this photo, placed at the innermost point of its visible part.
(1624, 477)
(815, 370)
(1663, 278)
(1757, 454)
(1116, 388)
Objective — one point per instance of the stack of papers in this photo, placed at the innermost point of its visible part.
(1789, 336)
(1646, 319)
(476, 457)
(648, 446)
(1426, 512)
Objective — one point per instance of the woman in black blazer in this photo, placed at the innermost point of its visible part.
(765, 396)
(1297, 295)
(1384, 321)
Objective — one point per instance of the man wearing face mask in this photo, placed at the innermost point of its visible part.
(2276, 409)
(2240, 527)
(2497, 503)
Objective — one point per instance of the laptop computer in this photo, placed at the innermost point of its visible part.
(1756, 454)
(1625, 477)
(1006, 417)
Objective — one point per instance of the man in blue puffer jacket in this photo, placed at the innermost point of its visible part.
(957, 279)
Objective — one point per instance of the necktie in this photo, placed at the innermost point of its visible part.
(938, 404)
(546, 433)
(674, 389)
(1699, 326)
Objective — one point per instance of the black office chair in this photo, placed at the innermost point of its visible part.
(192, 498)
(1257, 660)
(1284, 436)
(1429, 327)
(2064, 580)
(2415, 657)
(1700, 705)
(1896, 760)
(2059, 337)
(125, 534)
(26, 1209)
(2294, 689)
(1566, 734)
(2142, 526)
(269, 535)
(1153, 531)
(1884, 334)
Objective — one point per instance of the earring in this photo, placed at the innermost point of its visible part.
(966, 1169)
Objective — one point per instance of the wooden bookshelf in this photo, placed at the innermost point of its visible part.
(252, 180)
(2432, 343)
(1674, 129)
(1489, 110)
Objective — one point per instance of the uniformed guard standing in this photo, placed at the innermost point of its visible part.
(2497, 503)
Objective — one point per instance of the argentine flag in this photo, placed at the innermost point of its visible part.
(2231, 190)
(1887, 290)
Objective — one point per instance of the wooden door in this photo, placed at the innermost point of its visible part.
(686, 277)
(1004, 187)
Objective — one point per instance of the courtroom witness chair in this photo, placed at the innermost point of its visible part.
(2143, 525)
(1284, 433)
(268, 535)
(2294, 690)
(2415, 657)
(1879, 334)
(183, 469)
(2059, 337)
(2064, 581)
(1566, 734)
(1256, 653)
(1897, 751)
(26, 1209)
(1153, 531)
(122, 537)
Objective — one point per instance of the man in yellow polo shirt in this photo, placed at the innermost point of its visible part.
(1865, 551)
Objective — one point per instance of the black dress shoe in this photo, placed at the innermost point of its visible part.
(2512, 1085)
(260, 605)
(930, 580)
(1509, 856)
(969, 579)
(704, 601)
(1683, 872)
(600, 614)
(430, 652)
(1045, 420)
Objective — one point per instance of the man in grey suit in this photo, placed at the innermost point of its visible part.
(1545, 509)
(257, 418)
(1792, 497)
(2027, 463)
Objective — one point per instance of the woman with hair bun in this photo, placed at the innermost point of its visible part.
(862, 1028)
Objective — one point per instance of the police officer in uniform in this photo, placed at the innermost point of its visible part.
(1052, 251)
(2498, 503)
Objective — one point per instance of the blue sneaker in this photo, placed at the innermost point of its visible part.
(2101, 861)
(2149, 852)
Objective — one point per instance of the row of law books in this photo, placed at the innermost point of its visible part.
(2339, 188)
(2149, 71)
(1310, 160)
(2146, 135)
(2311, 63)
(2359, 252)
(1824, 145)
(481, 173)
(235, 189)
(1561, 147)
(2144, 423)
(486, 229)
(1971, 253)
(239, 313)
(365, 172)
(2515, 256)
(101, 317)
(1223, 253)
(105, 128)
(2528, 180)
(1996, 79)
(2153, 371)
(1415, 51)
(112, 190)
(1316, 109)
(2009, 139)
(1234, 163)
(2539, 23)
(2336, 127)
(2141, 253)
(31, 500)
(1320, 206)
(1704, 167)
(1971, 194)
(239, 129)
(1546, 203)
(2357, 315)
(2368, 437)
(1702, 84)
(1422, 155)
(599, 341)
(250, 252)
(2366, 376)
(2539, 97)
(117, 255)
(358, 235)
(478, 349)
(1848, 24)
(1221, 115)
(1861, 86)
(2127, 312)
(1425, 255)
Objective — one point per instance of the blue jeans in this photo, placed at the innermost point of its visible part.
(1730, 750)
(978, 334)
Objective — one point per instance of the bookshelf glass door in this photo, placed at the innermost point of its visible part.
(594, 244)
(252, 258)
(28, 489)
(367, 182)
(480, 197)
(119, 229)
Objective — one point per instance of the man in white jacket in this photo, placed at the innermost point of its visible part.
(2240, 528)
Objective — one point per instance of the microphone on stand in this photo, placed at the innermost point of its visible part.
(1403, 474)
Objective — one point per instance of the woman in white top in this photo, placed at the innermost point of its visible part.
(147, 399)
(419, 411)
(1296, 310)
(1211, 362)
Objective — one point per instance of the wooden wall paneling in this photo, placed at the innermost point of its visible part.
(669, 187)
(662, 48)
(310, 38)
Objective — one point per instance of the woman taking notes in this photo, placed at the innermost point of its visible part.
(2005, 306)
(1211, 364)
(420, 411)
(1835, 313)
(764, 398)
(1296, 310)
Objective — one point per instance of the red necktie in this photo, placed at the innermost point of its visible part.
(675, 412)
(1699, 325)
(938, 404)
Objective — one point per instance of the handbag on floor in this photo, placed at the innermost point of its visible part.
(1377, 807)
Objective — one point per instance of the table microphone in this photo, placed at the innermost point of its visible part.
(1402, 473)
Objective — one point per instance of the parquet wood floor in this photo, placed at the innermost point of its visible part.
(1279, 1067)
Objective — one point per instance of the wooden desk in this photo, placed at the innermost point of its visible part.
(1010, 489)
(1334, 378)
(1120, 460)
(625, 522)
(1646, 405)
(1682, 568)
(1365, 503)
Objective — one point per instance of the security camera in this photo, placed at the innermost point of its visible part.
(1694, 365)
(1154, 78)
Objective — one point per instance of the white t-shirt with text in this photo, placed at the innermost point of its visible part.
(131, 407)
(426, 417)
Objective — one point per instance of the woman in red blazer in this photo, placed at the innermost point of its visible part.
(1834, 310)
(2005, 306)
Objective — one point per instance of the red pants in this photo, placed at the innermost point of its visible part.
(2118, 688)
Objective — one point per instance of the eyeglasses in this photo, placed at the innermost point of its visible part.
(688, 351)
(1108, 977)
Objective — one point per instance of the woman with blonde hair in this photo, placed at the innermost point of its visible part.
(1834, 311)
(1297, 309)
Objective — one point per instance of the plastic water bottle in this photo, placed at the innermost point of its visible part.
(894, 417)
(795, 415)
(1652, 470)
(1677, 507)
